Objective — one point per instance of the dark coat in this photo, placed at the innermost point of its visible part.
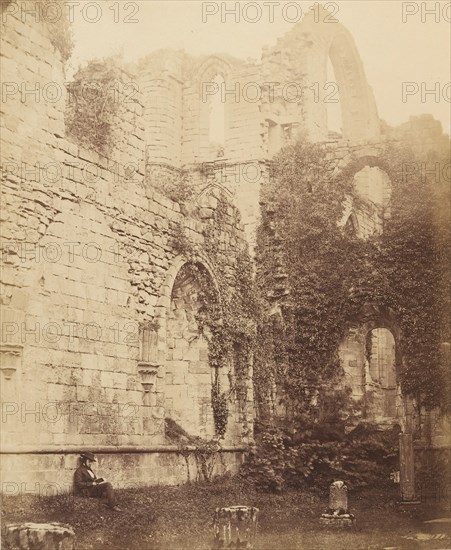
(83, 481)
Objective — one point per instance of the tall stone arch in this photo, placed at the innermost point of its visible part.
(164, 301)
(313, 41)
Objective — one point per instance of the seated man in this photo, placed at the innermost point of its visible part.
(89, 485)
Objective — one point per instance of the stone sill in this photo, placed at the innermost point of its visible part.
(107, 449)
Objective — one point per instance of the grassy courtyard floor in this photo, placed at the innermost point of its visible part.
(180, 518)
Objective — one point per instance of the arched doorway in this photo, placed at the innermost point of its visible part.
(368, 205)
(188, 375)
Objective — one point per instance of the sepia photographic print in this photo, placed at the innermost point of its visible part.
(225, 275)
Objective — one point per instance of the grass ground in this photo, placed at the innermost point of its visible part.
(180, 518)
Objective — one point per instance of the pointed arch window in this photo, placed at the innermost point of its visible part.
(216, 119)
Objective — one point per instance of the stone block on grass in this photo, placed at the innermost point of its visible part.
(38, 536)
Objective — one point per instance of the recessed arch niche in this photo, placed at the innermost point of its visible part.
(188, 375)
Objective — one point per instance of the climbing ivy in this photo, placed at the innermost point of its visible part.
(228, 312)
(94, 103)
(317, 278)
(60, 30)
(220, 408)
(301, 250)
(204, 451)
(414, 259)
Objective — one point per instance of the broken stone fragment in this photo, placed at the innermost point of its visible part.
(39, 536)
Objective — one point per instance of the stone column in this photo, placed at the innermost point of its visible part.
(406, 456)
(406, 465)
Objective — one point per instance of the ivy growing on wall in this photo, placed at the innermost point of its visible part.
(414, 259)
(176, 184)
(205, 452)
(94, 98)
(301, 251)
(229, 312)
(317, 279)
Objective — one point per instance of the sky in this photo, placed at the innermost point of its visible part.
(399, 42)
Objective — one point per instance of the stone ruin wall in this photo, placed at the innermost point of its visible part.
(266, 105)
(163, 135)
(89, 256)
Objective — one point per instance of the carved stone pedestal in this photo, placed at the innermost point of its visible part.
(235, 527)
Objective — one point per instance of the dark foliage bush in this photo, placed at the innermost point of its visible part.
(315, 456)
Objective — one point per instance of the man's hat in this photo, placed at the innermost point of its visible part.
(89, 456)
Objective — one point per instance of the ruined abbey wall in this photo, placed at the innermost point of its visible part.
(266, 105)
(90, 297)
(99, 340)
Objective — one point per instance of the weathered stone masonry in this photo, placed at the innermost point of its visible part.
(94, 348)
(266, 104)
(99, 336)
